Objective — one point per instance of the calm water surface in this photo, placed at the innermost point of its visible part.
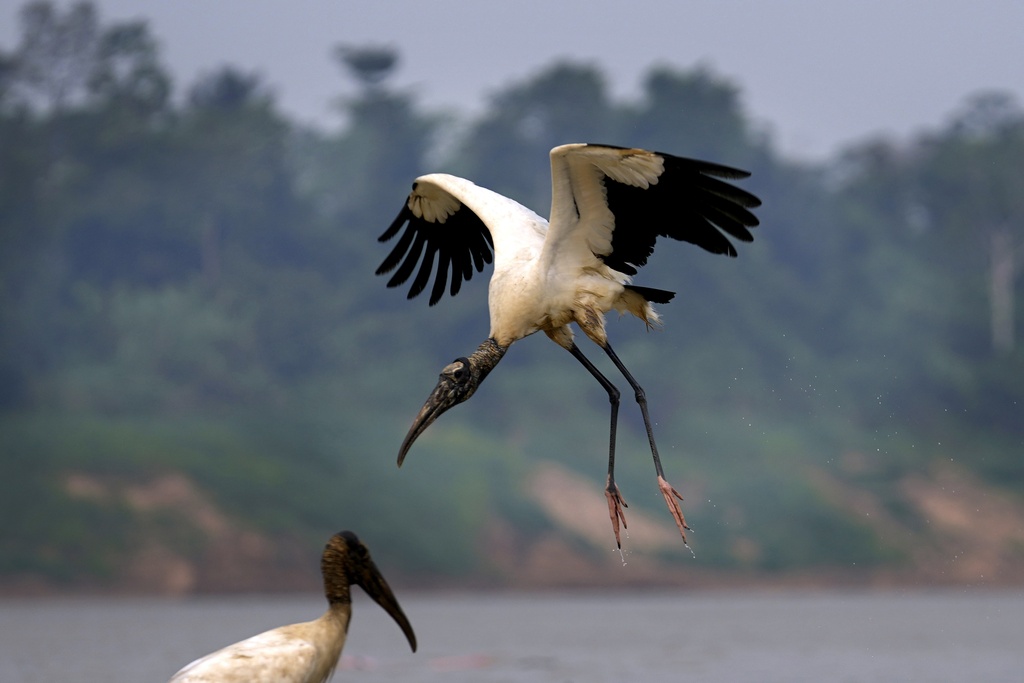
(964, 636)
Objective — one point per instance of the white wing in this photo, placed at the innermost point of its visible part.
(464, 226)
(613, 203)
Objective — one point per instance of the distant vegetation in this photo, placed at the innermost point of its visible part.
(186, 286)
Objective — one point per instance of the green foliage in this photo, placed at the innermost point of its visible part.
(186, 285)
(696, 111)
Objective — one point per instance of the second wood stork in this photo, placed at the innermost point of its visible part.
(608, 207)
(306, 652)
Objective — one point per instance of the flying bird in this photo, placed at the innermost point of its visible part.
(306, 652)
(608, 207)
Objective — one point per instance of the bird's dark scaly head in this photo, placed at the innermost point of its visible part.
(457, 382)
(347, 561)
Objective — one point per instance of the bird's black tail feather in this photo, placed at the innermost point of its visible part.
(655, 296)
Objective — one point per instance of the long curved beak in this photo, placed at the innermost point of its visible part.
(440, 400)
(373, 582)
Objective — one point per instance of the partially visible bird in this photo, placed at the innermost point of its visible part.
(306, 652)
(608, 207)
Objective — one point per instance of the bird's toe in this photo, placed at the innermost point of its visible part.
(671, 496)
(615, 505)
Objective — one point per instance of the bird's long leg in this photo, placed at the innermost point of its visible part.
(611, 491)
(667, 491)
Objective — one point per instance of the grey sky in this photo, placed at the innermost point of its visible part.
(816, 74)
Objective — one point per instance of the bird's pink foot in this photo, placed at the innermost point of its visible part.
(615, 505)
(670, 495)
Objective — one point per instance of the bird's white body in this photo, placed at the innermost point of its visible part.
(299, 653)
(548, 275)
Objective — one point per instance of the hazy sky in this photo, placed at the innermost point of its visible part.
(816, 73)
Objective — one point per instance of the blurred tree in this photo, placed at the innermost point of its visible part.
(235, 147)
(972, 186)
(357, 178)
(880, 274)
(127, 72)
(70, 59)
(8, 80)
(369, 65)
(57, 135)
(507, 149)
(57, 53)
(22, 239)
(690, 113)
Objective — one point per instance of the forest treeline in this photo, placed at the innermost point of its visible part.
(187, 286)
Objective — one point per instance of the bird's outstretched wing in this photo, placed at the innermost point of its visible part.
(626, 198)
(436, 223)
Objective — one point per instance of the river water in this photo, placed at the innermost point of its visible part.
(849, 637)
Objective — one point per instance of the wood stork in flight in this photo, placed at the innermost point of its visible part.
(608, 206)
(306, 652)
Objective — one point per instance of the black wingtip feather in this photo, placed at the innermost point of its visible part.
(692, 202)
(403, 216)
(461, 243)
